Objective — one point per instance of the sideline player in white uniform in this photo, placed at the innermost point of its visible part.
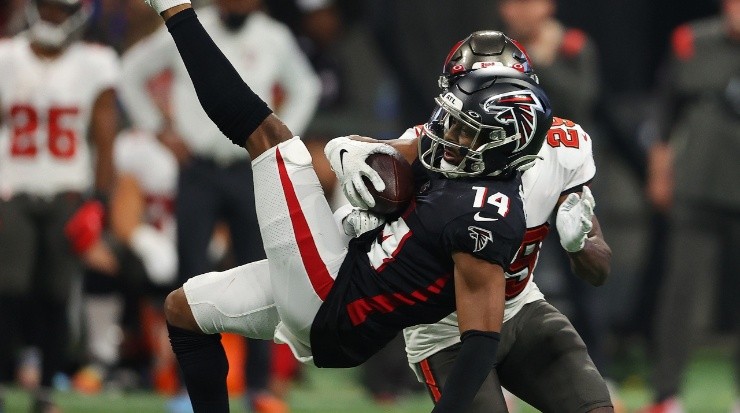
(261, 49)
(542, 359)
(142, 223)
(56, 93)
(143, 202)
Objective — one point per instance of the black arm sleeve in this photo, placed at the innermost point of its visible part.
(474, 362)
(228, 101)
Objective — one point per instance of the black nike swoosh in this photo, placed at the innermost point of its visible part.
(341, 158)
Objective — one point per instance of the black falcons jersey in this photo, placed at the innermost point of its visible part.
(401, 274)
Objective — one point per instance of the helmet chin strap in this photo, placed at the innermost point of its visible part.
(449, 169)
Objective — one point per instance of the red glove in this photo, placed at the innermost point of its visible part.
(85, 227)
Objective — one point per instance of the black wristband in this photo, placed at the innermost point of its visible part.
(476, 359)
(228, 101)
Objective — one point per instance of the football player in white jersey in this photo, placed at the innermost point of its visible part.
(55, 92)
(543, 360)
(142, 223)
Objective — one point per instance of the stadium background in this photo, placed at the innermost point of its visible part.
(632, 38)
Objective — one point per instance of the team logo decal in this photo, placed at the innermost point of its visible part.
(519, 108)
(480, 236)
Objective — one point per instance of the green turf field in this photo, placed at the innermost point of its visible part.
(709, 389)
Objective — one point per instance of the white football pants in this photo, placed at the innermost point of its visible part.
(280, 296)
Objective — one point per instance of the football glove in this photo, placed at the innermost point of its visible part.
(162, 5)
(573, 220)
(85, 227)
(157, 252)
(347, 159)
(356, 222)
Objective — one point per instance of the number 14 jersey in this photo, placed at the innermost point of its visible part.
(402, 273)
(567, 164)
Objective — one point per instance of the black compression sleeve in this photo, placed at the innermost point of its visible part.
(474, 362)
(204, 368)
(228, 101)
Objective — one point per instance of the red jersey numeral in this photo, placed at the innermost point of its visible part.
(24, 121)
(563, 132)
(62, 139)
(525, 260)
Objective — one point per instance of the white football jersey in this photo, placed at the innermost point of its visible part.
(142, 156)
(263, 52)
(46, 110)
(567, 164)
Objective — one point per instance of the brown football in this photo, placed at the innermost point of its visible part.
(399, 183)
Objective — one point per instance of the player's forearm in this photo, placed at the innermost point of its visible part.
(126, 207)
(592, 263)
(104, 126)
(476, 359)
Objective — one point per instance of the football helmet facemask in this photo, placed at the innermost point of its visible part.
(57, 35)
(504, 116)
(482, 49)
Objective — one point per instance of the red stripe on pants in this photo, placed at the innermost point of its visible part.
(430, 381)
(319, 276)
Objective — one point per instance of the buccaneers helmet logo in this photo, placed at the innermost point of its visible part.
(519, 108)
(480, 236)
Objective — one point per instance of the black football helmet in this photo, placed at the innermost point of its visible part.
(58, 36)
(508, 113)
(485, 48)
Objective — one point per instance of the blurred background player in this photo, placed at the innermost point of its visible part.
(126, 310)
(215, 175)
(59, 116)
(565, 57)
(568, 67)
(693, 176)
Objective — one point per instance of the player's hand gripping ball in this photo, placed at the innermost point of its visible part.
(398, 177)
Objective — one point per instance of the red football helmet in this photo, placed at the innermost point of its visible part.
(485, 48)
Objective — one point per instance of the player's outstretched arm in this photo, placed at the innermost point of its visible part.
(237, 111)
(479, 295)
(581, 236)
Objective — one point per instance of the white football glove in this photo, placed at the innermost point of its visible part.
(355, 222)
(574, 220)
(347, 159)
(162, 5)
(157, 252)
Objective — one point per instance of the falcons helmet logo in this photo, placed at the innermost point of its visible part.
(480, 236)
(519, 108)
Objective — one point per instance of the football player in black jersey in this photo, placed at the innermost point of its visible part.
(335, 304)
(541, 357)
